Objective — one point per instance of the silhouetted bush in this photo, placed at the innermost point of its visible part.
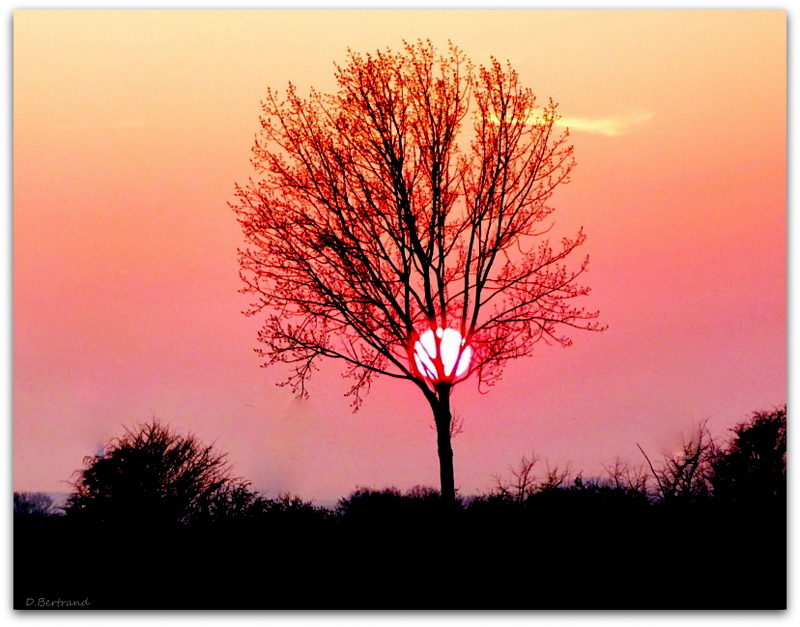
(753, 466)
(685, 477)
(390, 507)
(153, 476)
(33, 509)
(372, 504)
(37, 504)
(541, 539)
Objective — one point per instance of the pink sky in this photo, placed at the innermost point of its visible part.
(130, 130)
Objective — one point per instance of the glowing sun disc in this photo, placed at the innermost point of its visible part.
(455, 354)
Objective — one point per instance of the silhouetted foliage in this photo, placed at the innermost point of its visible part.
(153, 475)
(366, 501)
(622, 476)
(292, 512)
(543, 538)
(390, 506)
(525, 481)
(33, 504)
(685, 476)
(33, 509)
(753, 466)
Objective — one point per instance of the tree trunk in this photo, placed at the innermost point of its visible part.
(442, 417)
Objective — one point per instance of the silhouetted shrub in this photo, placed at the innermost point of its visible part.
(33, 509)
(517, 547)
(153, 476)
(753, 466)
(33, 504)
(370, 504)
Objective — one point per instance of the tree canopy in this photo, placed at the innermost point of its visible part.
(753, 467)
(415, 197)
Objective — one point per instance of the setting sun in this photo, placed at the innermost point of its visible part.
(436, 355)
(462, 238)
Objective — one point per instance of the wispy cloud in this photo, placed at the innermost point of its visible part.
(611, 126)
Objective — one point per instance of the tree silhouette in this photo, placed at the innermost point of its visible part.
(153, 475)
(37, 504)
(398, 223)
(33, 509)
(753, 466)
(685, 476)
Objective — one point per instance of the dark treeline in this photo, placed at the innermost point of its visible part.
(159, 521)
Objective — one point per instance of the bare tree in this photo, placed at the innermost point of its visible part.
(34, 507)
(623, 476)
(685, 475)
(397, 226)
(523, 481)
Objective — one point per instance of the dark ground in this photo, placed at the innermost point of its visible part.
(493, 555)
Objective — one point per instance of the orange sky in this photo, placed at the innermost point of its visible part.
(131, 128)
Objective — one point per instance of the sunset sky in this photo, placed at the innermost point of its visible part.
(132, 128)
